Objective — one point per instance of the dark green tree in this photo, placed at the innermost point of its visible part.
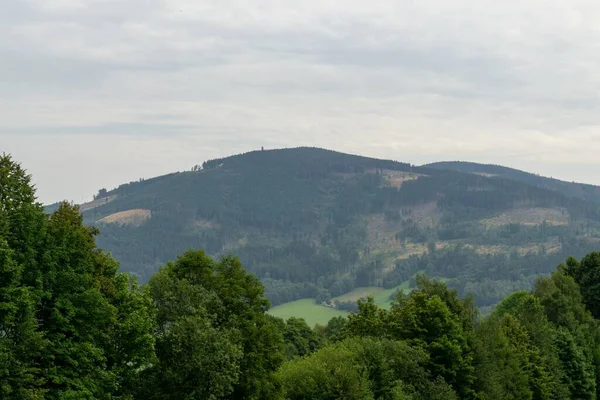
(587, 275)
(214, 339)
(63, 333)
(434, 318)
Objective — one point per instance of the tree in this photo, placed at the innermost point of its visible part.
(587, 275)
(434, 318)
(368, 321)
(546, 374)
(299, 339)
(70, 325)
(129, 343)
(95, 320)
(333, 331)
(20, 342)
(577, 338)
(212, 314)
(503, 362)
(579, 370)
(363, 368)
(332, 373)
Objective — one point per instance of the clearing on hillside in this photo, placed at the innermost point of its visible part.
(551, 246)
(130, 217)
(530, 216)
(397, 178)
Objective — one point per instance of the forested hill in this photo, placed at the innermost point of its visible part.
(73, 327)
(573, 189)
(313, 223)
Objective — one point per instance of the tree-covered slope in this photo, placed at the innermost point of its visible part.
(573, 189)
(317, 223)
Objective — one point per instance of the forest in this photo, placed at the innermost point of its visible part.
(314, 223)
(72, 326)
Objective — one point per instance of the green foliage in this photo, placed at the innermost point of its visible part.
(369, 321)
(364, 368)
(587, 275)
(20, 342)
(333, 373)
(579, 371)
(432, 318)
(214, 339)
(436, 319)
(300, 339)
(70, 325)
(502, 360)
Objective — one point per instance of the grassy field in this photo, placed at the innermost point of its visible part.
(381, 295)
(312, 312)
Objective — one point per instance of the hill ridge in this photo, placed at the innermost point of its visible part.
(316, 223)
(575, 189)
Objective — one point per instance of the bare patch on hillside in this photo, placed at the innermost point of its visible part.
(485, 174)
(552, 246)
(383, 242)
(134, 217)
(381, 231)
(426, 214)
(415, 249)
(205, 224)
(396, 178)
(592, 240)
(392, 177)
(530, 216)
(97, 203)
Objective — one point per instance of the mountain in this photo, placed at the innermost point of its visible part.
(314, 223)
(572, 189)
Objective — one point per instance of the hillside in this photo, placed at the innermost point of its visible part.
(313, 223)
(573, 189)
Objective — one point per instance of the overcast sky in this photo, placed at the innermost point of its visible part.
(94, 93)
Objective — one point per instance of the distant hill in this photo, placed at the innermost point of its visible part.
(50, 208)
(573, 189)
(314, 223)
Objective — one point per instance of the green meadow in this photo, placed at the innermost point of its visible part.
(380, 295)
(314, 313)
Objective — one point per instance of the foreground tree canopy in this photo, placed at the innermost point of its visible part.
(73, 327)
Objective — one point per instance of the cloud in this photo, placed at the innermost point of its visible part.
(143, 87)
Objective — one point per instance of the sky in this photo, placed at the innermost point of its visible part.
(95, 93)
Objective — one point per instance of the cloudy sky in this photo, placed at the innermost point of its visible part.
(94, 93)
